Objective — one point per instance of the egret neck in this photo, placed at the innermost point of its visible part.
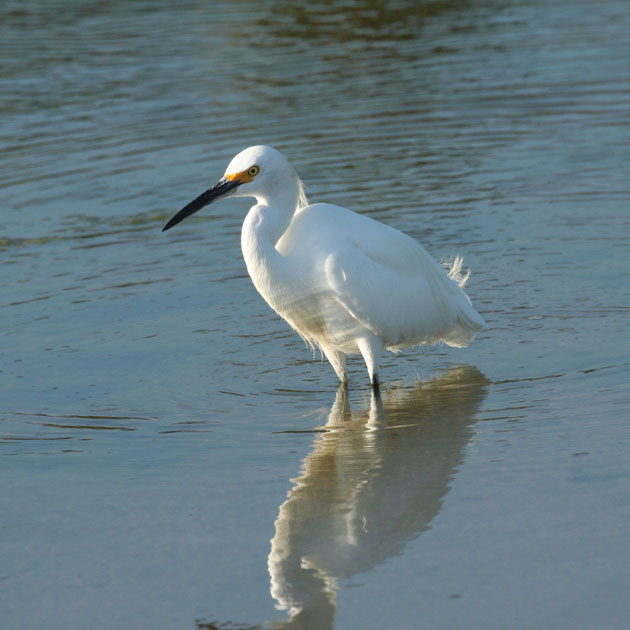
(263, 227)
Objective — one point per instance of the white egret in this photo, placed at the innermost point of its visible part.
(345, 283)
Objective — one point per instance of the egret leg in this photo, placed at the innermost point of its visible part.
(376, 385)
(338, 361)
(371, 348)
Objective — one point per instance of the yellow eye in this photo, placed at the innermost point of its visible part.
(253, 171)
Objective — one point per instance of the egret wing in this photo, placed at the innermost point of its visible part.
(394, 288)
(382, 277)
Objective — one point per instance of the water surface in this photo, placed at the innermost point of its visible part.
(173, 457)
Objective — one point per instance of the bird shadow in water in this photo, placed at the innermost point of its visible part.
(374, 480)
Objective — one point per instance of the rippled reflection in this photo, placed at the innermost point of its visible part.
(374, 480)
(365, 20)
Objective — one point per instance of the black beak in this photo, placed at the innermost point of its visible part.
(220, 189)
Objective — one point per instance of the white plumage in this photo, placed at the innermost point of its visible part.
(346, 283)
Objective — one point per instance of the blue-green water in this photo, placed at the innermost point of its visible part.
(163, 457)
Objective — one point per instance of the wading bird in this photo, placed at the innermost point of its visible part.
(345, 283)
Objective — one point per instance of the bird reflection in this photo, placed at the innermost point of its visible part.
(374, 481)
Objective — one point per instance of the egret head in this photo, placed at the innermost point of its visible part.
(254, 172)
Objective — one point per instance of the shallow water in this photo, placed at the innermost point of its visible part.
(171, 454)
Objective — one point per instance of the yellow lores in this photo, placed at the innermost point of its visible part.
(244, 177)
